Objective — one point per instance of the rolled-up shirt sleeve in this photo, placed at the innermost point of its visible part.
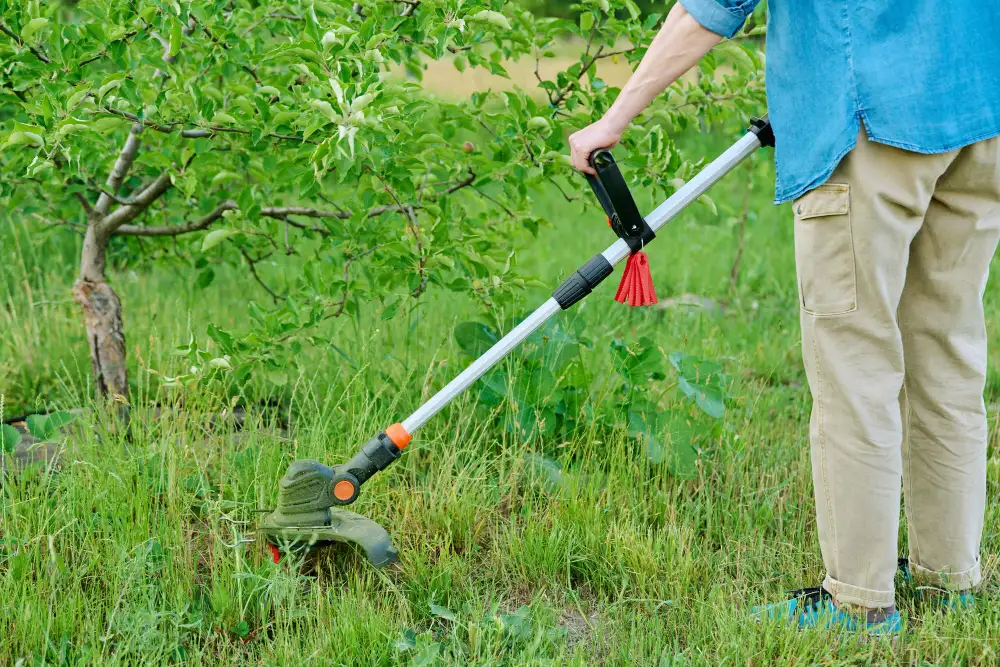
(723, 17)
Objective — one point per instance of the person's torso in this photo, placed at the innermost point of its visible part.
(923, 75)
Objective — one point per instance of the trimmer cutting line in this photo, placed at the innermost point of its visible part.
(311, 494)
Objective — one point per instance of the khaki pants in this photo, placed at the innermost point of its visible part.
(893, 254)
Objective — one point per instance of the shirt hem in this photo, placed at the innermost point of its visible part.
(781, 196)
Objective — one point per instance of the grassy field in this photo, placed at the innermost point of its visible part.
(142, 552)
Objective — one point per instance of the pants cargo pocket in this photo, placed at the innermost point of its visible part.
(824, 251)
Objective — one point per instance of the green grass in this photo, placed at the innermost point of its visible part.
(136, 553)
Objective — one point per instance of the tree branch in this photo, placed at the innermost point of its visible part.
(101, 190)
(458, 185)
(219, 129)
(252, 263)
(85, 204)
(702, 100)
(612, 54)
(565, 195)
(415, 230)
(60, 223)
(177, 230)
(199, 133)
(347, 269)
(486, 196)
(588, 62)
(310, 228)
(38, 53)
(141, 202)
(166, 129)
(284, 211)
(120, 170)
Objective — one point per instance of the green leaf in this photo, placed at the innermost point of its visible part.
(24, 139)
(586, 21)
(639, 362)
(56, 420)
(707, 202)
(241, 629)
(493, 18)
(702, 381)
(633, 9)
(31, 27)
(9, 437)
(217, 236)
(224, 177)
(37, 426)
(110, 85)
(407, 641)
(76, 97)
(45, 427)
(390, 311)
(474, 338)
(278, 377)
(493, 388)
(204, 279)
(517, 625)
(443, 612)
(545, 471)
(175, 39)
(326, 109)
(362, 101)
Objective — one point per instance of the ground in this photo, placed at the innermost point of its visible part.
(577, 549)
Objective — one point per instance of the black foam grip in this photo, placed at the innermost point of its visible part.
(582, 281)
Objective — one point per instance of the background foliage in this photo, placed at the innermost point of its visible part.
(279, 134)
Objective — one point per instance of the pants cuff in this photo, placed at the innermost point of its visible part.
(854, 595)
(953, 581)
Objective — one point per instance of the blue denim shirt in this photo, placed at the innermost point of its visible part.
(923, 75)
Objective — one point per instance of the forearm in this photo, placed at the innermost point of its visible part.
(679, 45)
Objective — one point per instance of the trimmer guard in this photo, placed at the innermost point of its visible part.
(306, 516)
(341, 526)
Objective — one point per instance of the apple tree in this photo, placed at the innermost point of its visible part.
(298, 131)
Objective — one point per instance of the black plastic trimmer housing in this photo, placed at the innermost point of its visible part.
(311, 494)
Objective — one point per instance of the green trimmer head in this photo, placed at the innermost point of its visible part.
(306, 517)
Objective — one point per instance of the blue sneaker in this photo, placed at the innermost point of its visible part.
(947, 600)
(813, 608)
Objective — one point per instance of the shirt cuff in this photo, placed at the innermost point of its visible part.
(714, 16)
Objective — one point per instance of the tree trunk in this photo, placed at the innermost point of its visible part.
(102, 316)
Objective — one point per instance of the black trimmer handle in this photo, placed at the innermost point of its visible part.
(612, 191)
(598, 187)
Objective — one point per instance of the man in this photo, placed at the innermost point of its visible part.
(886, 116)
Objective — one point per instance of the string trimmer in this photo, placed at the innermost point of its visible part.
(311, 494)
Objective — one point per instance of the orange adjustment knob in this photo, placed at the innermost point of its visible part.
(343, 490)
(399, 436)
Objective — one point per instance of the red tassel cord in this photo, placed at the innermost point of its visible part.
(636, 287)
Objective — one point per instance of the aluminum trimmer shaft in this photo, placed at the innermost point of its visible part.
(634, 233)
(601, 265)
